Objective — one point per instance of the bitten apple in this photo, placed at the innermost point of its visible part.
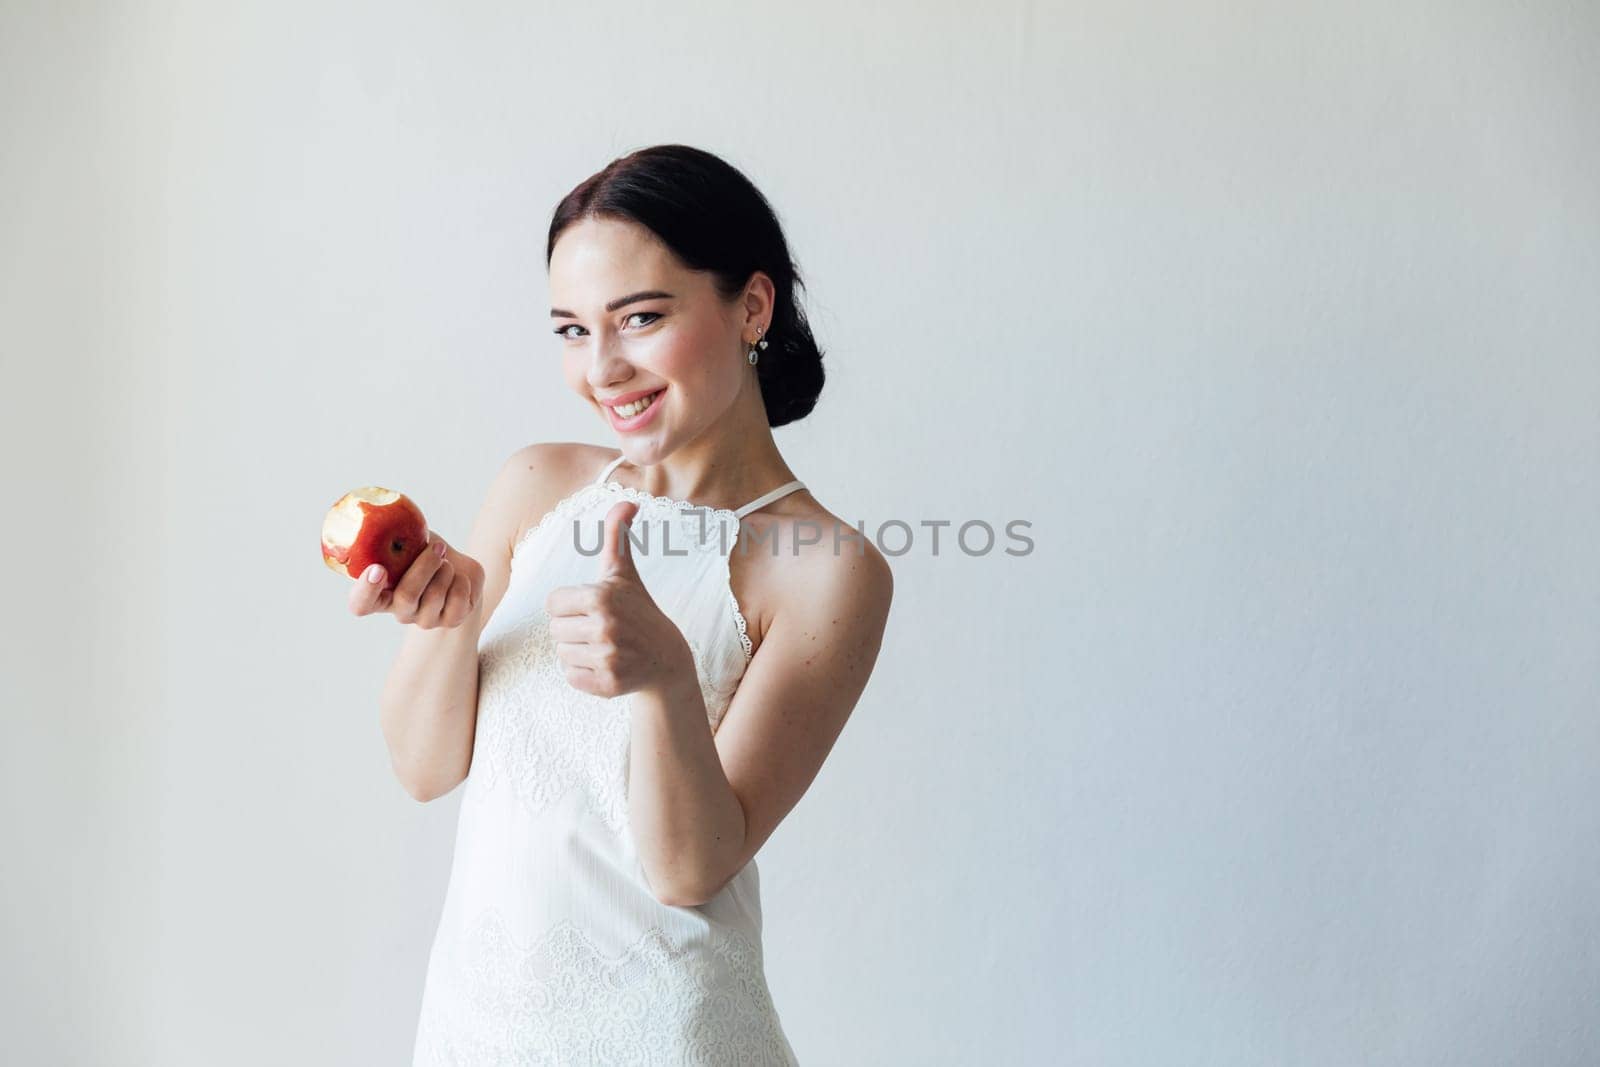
(373, 525)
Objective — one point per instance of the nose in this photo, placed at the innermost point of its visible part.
(607, 368)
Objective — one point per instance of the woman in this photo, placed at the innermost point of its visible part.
(634, 695)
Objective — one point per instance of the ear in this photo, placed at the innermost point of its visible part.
(616, 554)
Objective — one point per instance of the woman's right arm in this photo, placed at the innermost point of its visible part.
(429, 706)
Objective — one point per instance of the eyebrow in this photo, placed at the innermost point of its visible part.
(631, 298)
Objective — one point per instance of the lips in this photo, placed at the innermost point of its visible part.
(623, 398)
(641, 415)
(632, 408)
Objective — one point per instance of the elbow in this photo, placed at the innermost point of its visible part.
(689, 894)
(694, 880)
(682, 900)
(677, 896)
(423, 790)
(425, 783)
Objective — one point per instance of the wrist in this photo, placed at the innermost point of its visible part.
(679, 680)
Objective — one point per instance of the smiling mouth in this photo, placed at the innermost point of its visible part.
(637, 407)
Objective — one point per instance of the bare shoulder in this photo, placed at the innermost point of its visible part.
(545, 473)
(843, 564)
(809, 565)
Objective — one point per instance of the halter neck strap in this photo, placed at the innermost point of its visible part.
(759, 502)
(766, 498)
(609, 467)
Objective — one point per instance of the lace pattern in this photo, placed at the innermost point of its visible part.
(561, 1001)
(546, 738)
(543, 737)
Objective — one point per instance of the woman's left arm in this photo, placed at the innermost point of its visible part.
(701, 806)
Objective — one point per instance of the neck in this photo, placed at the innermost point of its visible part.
(730, 463)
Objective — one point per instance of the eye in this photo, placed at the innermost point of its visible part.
(561, 331)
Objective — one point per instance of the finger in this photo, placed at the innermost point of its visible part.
(579, 654)
(408, 592)
(431, 605)
(616, 553)
(472, 571)
(459, 604)
(367, 596)
(571, 600)
(575, 628)
(582, 678)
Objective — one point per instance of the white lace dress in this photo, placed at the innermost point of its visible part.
(551, 948)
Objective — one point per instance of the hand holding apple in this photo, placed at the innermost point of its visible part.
(442, 588)
(379, 537)
(611, 637)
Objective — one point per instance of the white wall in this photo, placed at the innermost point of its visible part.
(1279, 323)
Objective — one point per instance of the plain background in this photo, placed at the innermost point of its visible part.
(1278, 322)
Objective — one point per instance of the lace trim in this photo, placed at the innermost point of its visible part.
(733, 601)
(664, 501)
(738, 620)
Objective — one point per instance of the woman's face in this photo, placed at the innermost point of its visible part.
(672, 361)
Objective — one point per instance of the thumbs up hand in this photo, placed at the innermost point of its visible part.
(611, 638)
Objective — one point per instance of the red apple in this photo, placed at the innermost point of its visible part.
(373, 525)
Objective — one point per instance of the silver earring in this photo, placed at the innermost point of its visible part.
(754, 355)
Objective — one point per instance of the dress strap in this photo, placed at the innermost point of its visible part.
(608, 469)
(766, 498)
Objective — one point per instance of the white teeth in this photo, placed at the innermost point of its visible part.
(628, 411)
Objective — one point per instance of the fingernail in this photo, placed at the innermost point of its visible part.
(374, 574)
(439, 549)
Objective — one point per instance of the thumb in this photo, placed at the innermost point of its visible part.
(616, 553)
